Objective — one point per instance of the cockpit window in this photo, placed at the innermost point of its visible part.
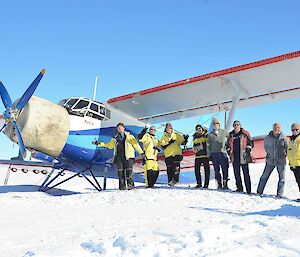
(94, 107)
(62, 102)
(95, 116)
(102, 110)
(107, 114)
(71, 102)
(81, 104)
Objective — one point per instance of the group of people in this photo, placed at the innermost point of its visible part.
(217, 146)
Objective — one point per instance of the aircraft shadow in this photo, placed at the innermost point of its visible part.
(35, 188)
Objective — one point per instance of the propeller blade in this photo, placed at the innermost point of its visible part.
(20, 139)
(5, 96)
(30, 90)
(3, 127)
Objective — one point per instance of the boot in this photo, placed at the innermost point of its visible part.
(225, 184)
(122, 184)
(219, 184)
(130, 179)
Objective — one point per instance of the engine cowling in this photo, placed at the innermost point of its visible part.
(44, 126)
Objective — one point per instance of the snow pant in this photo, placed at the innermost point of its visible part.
(265, 176)
(198, 163)
(151, 172)
(220, 160)
(237, 174)
(152, 176)
(297, 175)
(125, 174)
(173, 167)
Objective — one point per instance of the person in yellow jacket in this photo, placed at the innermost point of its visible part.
(151, 149)
(124, 145)
(293, 152)
(170, 142)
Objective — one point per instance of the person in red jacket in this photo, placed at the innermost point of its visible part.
(239, 146)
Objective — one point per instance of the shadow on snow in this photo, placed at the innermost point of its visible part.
(286, 210)
(35, 188)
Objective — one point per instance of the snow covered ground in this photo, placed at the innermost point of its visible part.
(147, 222)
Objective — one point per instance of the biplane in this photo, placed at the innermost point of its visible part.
(60, 135)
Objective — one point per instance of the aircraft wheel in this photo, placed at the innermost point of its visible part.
(25, 170)
(36, 171)
(44, 172)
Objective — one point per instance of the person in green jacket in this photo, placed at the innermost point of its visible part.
(216, 150)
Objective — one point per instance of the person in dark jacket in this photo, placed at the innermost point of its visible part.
(124, 145)
(294, 152)
(216, 149)
(199, 147)
(239, 146)
(276, 148)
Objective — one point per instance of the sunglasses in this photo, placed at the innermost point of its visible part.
(237, 124)
(295, 129)
(199, 128)
(153, 129)
(216, 123)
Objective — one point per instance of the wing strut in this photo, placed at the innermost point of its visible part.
(240, 92)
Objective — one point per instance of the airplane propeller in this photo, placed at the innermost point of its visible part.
(10, 113)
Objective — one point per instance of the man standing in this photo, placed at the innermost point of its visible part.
(216, 150)
(151, 149)
(170, 142)
(276, 148)
(239, 146)
(294, 152)
(123, 144)
(199, 140)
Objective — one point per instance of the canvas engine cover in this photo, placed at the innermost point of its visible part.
(44, 126)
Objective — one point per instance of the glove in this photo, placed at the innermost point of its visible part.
(156, 148)
(144, 158)
(142, 133)
(248, 149)
(172, 141)
(186, 137)
(95, 142)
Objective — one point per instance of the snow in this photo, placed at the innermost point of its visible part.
(181, 221)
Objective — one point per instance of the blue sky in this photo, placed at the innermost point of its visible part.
(133, 45)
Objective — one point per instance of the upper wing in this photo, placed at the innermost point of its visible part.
(265, 81)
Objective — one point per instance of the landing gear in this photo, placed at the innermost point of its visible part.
(81, 173)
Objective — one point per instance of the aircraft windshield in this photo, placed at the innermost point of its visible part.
(86, 107)
(70, 103)
(81, 104)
